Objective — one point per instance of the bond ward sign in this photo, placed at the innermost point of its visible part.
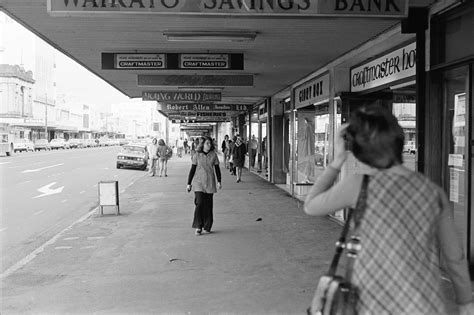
(375, 8)
(181, 97)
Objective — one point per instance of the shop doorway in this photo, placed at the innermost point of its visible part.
(457, 150)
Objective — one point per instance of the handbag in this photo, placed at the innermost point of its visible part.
(335, 294)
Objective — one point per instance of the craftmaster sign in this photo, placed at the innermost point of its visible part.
(140, 61)
(179, 97)
(172, 61)
(375, 8)
(204, 61)
(312, 91)
(395, 66)
(202, 107)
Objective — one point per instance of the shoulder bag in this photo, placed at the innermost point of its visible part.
(335, 294)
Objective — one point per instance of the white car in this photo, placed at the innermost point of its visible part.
(20, 145)
(59, 144)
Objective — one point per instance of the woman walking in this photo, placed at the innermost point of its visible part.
(406, 223)
(230, 157)
(164, 154)
(238, 157)
(202, 177)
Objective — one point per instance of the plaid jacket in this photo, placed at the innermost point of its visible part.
(397, 270)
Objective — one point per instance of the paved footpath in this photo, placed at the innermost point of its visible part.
(263, 257)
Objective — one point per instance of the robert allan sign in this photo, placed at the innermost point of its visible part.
(385, 8)
(181, 97)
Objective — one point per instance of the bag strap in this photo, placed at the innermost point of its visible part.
(354, 246)
(341, 243)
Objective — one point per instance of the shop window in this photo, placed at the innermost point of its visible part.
(404, 108)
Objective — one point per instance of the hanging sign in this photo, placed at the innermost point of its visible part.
(172, 61)
(204, 61)
(312, 91)
(179, 96)
(395, 66)
(371, 8)
(140, 61)
(202, 107)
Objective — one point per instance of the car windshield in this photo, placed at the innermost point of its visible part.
(132, 149)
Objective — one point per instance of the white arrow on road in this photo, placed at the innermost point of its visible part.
(47, 191)
(42, 168)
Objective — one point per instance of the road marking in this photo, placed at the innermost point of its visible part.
(4, 229)
(82, 192)
(71, 238)
(39, 212)
(87, 247)
(40, 249)
(46, 190)
(28, 181)
(42, 168)
(63, 247)
(95, 237)
(63, 201)
(1, 163)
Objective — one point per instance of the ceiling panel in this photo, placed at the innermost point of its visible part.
(285, 49)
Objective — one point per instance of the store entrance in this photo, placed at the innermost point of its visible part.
(457, 150)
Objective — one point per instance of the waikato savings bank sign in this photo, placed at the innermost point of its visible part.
(375, 8)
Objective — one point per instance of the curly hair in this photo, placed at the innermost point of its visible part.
(201, 144)
(375, 137)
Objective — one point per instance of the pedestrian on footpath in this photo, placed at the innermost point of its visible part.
(405, 224)
(152, 157)
(186, 146)
(202, 177)
(180, 147)
(224, 148)
(230, 156)
(164, 154)
(238, 157)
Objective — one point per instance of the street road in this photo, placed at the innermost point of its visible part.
(42, 193)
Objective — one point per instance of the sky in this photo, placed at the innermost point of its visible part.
(72, 80)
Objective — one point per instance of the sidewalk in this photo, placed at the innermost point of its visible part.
(148, 260)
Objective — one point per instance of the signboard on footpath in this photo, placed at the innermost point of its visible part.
(202, 107)
(312, 92)
(181, 96)
(395, 66)
(366, 8)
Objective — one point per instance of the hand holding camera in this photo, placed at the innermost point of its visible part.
(341, 146)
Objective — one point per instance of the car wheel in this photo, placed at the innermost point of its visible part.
(118, 165)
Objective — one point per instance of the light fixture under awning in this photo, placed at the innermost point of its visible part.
(210, 36)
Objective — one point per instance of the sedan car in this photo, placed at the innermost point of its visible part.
(76, 143)
(42, 144)
(21, 145)
(134, 156)
(59, 144)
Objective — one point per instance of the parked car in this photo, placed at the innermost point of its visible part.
(42, 144)
(90, 143)
(409, 147)
(21, 145)
(59, 144)
(134, 156)
(76, 143)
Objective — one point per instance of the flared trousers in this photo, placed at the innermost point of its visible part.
(203, 217)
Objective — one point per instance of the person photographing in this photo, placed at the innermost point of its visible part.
(404, 226)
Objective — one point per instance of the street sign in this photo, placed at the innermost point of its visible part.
(180, 107)
(140, 61)
(179, 96)
(366, 8)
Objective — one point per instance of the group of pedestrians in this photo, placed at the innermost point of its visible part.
(234, 151)
(158, 153)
